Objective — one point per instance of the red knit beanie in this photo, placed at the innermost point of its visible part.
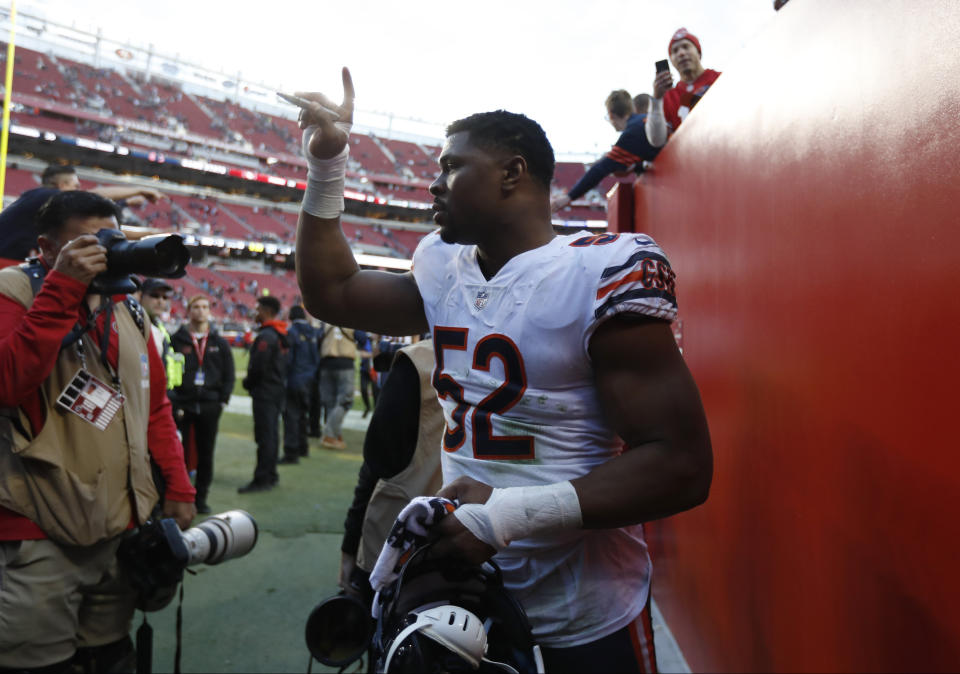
(682, 34)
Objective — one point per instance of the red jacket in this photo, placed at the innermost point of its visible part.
(29, 346)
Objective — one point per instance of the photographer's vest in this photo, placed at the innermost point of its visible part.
(338, 343)
(421, 477)
(79, 484)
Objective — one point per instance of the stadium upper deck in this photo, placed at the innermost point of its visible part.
(159, 114)
(233, 168)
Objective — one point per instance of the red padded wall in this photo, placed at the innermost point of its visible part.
(810, 207)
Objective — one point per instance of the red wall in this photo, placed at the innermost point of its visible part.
(811, 208)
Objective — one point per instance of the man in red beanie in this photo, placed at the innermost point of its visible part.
(670, 106)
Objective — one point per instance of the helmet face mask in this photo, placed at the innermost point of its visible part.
(444, 616)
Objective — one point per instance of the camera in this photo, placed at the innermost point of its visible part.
(161, 255)
(156, 555)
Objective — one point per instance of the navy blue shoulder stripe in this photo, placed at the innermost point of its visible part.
(636, 293)
(632, 262)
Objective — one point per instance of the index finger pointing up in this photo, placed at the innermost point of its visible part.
(348, 93)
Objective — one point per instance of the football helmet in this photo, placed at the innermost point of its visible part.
(441, 615)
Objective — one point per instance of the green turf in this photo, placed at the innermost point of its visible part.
(240, 359)
(249, 614)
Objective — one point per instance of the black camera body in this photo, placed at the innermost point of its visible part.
(161, 255)
(155, 557)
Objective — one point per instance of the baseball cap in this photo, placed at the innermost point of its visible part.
(684, 34)
(154, 284)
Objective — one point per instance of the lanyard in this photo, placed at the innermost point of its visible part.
(200, 347)
(106, 307)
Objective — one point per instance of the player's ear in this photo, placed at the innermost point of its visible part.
(514, 169)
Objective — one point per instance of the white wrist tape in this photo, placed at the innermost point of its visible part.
(323, 197)
(518, 512)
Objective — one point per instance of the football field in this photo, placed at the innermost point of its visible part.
(248, 614)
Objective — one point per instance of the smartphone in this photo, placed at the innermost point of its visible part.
(663, 66)
(304, 103)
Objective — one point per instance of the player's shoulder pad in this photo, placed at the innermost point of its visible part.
(632, 274)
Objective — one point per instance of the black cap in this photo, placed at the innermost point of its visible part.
(151, 284)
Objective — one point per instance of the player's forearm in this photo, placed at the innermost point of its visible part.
(646, 483)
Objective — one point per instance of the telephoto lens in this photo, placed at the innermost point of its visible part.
(220, 537)
(163, 255)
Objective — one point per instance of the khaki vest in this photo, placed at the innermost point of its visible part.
(338, 343)
(421, 478)
(81, 485)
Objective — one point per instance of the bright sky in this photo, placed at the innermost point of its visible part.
(554, 61)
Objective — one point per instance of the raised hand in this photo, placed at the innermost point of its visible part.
(82, 258)
(662, 83)
(327, 140)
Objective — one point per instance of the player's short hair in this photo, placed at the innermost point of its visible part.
(62, 206)
(197, 298)
(512, 132)
(270, 303)
(296, 313)
(641, 103)
(49, 175)
(619, 103)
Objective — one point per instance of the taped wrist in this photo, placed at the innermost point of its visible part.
(519, 512)
(323, 197)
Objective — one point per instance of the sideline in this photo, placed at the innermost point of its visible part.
(244, 405)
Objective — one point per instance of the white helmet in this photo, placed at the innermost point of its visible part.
(451, 626)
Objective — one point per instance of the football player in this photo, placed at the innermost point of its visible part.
(571, 417)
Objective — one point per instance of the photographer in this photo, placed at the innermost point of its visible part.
(81, 420)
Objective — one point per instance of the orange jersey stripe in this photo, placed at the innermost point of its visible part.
(621, 156)
(629, 278)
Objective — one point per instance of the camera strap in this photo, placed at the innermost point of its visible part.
(176, 656)
(145, 647)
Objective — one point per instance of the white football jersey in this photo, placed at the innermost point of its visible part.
(516, 385)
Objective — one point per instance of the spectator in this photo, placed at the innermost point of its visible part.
(205, 389)
(73, 482)
(631, 149)
(303, 360)
(266, 381)
(369, 391)
(18, 229)
(339, 348)
(671, 106)
(571, 417)
(401, 460)
(155, 298)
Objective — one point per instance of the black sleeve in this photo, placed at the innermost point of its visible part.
(392, 433)
(229, 372)
(259, 356)
(353, 525)
(592, 178)
(632, 148)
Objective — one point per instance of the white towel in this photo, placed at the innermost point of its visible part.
(408, 532)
